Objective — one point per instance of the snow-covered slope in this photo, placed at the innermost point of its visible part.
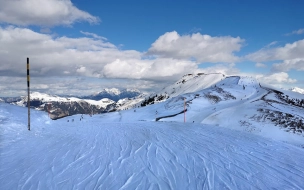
(128, 103)
(238, 103)
(237, 134)
(192, 83)
(234, 102)
(189, 83)
(99, 152)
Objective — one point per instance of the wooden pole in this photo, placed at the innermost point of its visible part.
(28, 94)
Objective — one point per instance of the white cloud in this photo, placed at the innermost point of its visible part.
(203, 48)
(42, 13)
(289, 51)
(53, 56)
(57, 63)
(63, 57)
(81, 70)
(157, 69)
(291, 55)
(260, 65)
(80, 56)
(93, 35)
(276, 79)
(300, 31)
(297, 64)
(16, 86)
(220, 68)
(271, 44)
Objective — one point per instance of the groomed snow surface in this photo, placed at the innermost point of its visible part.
(116, 151)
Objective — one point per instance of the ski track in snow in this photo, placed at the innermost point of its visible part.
(93, 154)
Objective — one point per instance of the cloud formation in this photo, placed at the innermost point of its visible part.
(43, 13)
(298, 32)
(288, 52)
(276, 78)
(64, 59)
(297, 64)
(156, 69)
(93, 35)
(260, 65)
(202, 48)
(91, 56)
(54, 56)
(291, 55)
(227, 69)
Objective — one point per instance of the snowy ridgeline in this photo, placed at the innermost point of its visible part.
(239, 103)
(116, 151)
(238, 135)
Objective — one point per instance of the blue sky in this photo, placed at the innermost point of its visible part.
(147, 44)
(259, 22)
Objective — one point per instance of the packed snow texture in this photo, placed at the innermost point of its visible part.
(116, 151)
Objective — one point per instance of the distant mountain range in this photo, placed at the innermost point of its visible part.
(113, 94)
(58, 107)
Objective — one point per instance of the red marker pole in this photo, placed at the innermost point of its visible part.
(49, 108)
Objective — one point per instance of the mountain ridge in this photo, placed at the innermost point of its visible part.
(113, 94)
(298, 90)
(235, 102)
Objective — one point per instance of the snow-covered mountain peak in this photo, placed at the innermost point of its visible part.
(192, 83)
(46, 97)
(112, 91)
(298, 90)
(114, 94)
(116, 91)
(189, 77)
(38, 95)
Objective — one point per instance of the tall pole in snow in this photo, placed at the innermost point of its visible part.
(184, 110)
(28, 93)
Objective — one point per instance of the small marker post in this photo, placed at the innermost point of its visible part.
(49, 105)
(184, 110)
